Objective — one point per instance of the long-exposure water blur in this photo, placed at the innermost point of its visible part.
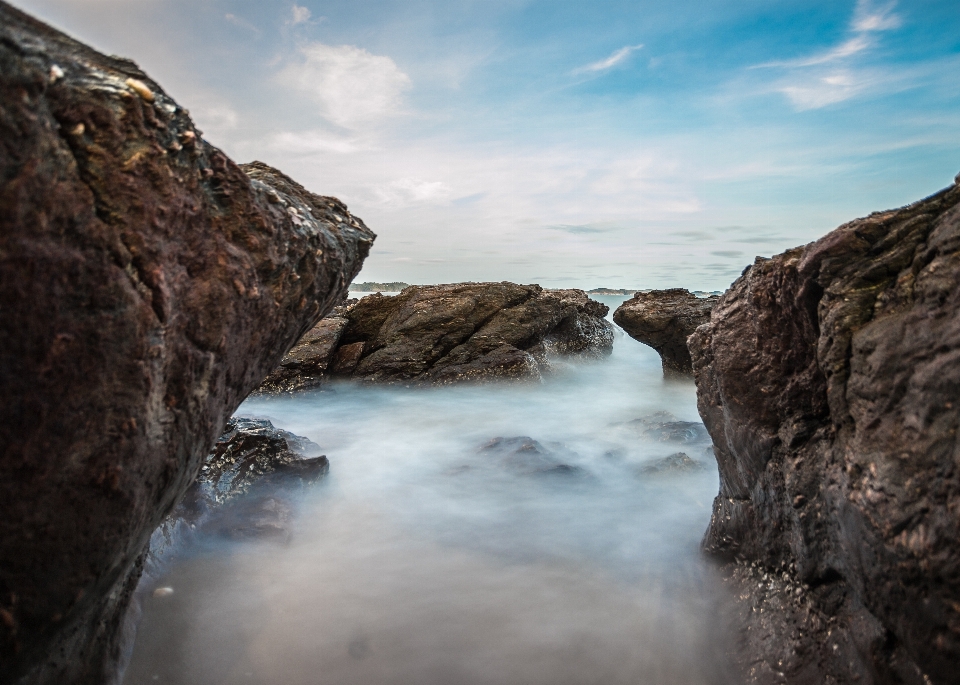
(490, 534)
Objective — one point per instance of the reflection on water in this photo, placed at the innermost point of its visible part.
(425, 558)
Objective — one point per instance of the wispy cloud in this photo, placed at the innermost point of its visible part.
(407, 191)
(849, 47)
(829, 77)
(871, 18)
(585, 229)
(613, 60)
(353, 87)
(243, 24)
(299, 15)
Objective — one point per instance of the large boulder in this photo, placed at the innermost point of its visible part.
(439, 334)
(664, 319)
(829, 379)
(147, 284)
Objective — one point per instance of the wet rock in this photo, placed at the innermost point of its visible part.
(675, 463)
(829, 382)
(147, 284)
(524, 455)
(665, 427)
(435, 335)
(664, 319)
(304, 366)
(244, 487)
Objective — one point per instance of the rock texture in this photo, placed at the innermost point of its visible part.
(664, 319)
(147, 284)
(446, 334)
(243, 488)
(829, 379)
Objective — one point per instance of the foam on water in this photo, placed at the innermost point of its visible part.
(425, 559)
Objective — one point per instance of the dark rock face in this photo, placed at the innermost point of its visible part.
(243, 488)
(449, 333)
(829, 380)
(147, 284)
(664, 319)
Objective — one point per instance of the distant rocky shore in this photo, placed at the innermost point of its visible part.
(371, 287)
(441, 334)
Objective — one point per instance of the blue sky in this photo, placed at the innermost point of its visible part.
(583, 144)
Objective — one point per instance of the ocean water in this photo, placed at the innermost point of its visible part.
(430, 556)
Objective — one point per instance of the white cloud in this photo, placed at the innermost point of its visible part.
(300, 15)
(846, 49)
(243, 23)
(821, 91)
(829, 77)
(353, 87)
(870, 18)
(317, 141)
(406, 191)
(613, 60)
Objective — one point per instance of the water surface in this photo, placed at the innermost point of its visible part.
(424, 558)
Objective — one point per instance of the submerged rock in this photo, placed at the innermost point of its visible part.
(435, 335)
(147, 284)
(664, 319)
(829, 380)
(526, 456)
(663, 426)
(675, 463)
(244, 486)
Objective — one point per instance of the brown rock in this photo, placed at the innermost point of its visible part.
(147, 284)
(664, 319)
(466, 332)
(829, 380)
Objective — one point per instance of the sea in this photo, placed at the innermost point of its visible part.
(500, 534)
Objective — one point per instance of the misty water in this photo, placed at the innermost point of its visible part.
(425, 559)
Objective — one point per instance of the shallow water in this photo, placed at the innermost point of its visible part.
(425, 559)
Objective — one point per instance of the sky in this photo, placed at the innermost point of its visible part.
(610, 143)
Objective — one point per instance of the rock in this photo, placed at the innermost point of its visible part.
(829, 380)
(435, 335)
(675, 463)
(664, 319)
(663, 426)
(525, 456)
(147, 284)
(305, 365)
(243, 488)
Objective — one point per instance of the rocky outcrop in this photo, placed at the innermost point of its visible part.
(443, 334)
(306, 365)
(664, 319)
(243, 489)
(147, 284)
(829, 380)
